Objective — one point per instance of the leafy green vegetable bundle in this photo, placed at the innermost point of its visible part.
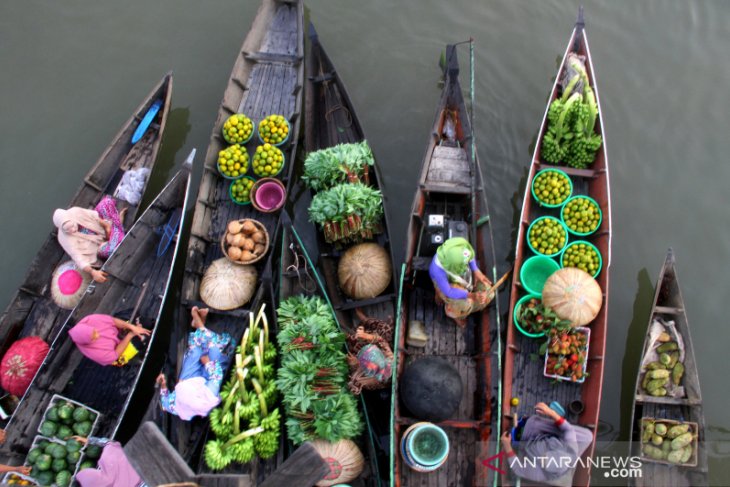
(348, 212)
(246, 424)
(570, 138)
(343, 162)
(313, 374)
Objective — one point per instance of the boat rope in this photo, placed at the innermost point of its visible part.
(306, 281)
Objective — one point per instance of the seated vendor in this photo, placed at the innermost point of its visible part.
(553, 441)
(97, 337)
(454, 272)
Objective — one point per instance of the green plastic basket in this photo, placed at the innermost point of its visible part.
(527, 236)
(598, 252)
(535, 271)
(598, 207)
(243, 142)
(540, 202)
(230, 192)
(516, 312)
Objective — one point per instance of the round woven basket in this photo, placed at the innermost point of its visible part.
(260, 227)
(258, 185)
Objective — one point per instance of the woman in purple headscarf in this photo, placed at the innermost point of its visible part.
(205, 361)
(97, 337)
(113, 468)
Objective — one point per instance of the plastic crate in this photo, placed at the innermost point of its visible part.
(693, 428)
(56, 398)
(587, 332)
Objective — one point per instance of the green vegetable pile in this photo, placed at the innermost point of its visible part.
(663, 376)
(246, 424)
(348, 212)
(582, 256)
(570, 138)
(314, 373)
(64, 419)
(667, 440)
(54, 462)
(581, 215)
(343, 162)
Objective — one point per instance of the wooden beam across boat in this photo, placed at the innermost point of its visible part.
(523, 376)
(31, 311)
(450, 185)
(139, 276)
(668, 306)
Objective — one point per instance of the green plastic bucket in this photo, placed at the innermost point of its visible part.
(516, 313)
(598, 207)
(562, 225)
(539, 201)
(535, 271)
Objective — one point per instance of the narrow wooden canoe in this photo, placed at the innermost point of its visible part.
(451, 190)
(668, 306)
(139, 276)
(330, 119)
(266, 79)
(523, 376)
(32, 310)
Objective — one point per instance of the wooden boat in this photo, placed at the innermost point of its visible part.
(330, 119)
(668, 306)
(139, 276)
(523, 376)
(32, 310)
(448, 202)
(266, 79)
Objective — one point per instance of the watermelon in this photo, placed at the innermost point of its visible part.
(93, 451)
(81, 414)
(73, 457)
(43, 462)
(52, 414)
(73, 445)
(87, 464)
(59, 451)
(64, 432)
(34, 454)
(43, 444)
(63, 478)
(66, 411)
(83, 428)
(45, 478)
(50, 446)
(59, 464)
(48, 428)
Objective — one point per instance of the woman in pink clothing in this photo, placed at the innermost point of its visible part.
(113, 468)
(97, 337)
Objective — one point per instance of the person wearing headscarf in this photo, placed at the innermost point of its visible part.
(206, 360)
(97, 337)
(90, 235)
(459, 283)
(548, 445)
(113, 468)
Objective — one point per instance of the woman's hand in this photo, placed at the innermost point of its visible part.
(97, 275)
(506, 439)
(139, 331)
(161, 381)
(479, 276)
(22, 470)
(543, 408)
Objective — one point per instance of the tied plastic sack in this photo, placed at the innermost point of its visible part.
(132, 184)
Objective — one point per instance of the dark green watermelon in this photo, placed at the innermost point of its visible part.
(34, 454)
(59, 464)
(64, 432)
(66, 411)
(73, 445)
(52, 414)
(73, 457)
(50, 446)
(83, 428)
(81, 414)
(93, 451)
(87, 464)
(59, 451)
(45, 478)
(42, 444)
(63, 479)
(48, 428)
(43, 462)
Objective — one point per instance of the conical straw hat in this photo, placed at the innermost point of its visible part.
(68, 284)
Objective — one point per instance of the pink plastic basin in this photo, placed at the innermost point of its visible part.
(269, 196)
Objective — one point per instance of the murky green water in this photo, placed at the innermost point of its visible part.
(73, 71)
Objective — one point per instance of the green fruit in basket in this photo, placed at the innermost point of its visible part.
(81, 414)
(267, 160)
(241, 190)
(87, 464)
(83, 428)
(233, 161)
(93, 451)
(237, 128)
(59, 464)
(73, 457)
(63, 479)
(274, 129)
(547, 236)
(42, 444)
(52, 414)
(34, 454)
(64, 432)
(551, 187)
(66, 411)
(59, 451)
(48, 428)
(43, 462)
(581, 215)
(73, 445)
(45, 478)
(581, 256)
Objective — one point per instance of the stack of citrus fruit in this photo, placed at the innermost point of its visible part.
(240, 190)
(547, 235)
(274, 130)
(582, 215)
(267, 160)
(237, 129)
(551, 187)
(233, 162)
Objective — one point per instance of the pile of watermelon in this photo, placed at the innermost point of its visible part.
(54, 462)
(64, 419)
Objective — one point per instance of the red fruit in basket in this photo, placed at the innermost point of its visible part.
(574, 357)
